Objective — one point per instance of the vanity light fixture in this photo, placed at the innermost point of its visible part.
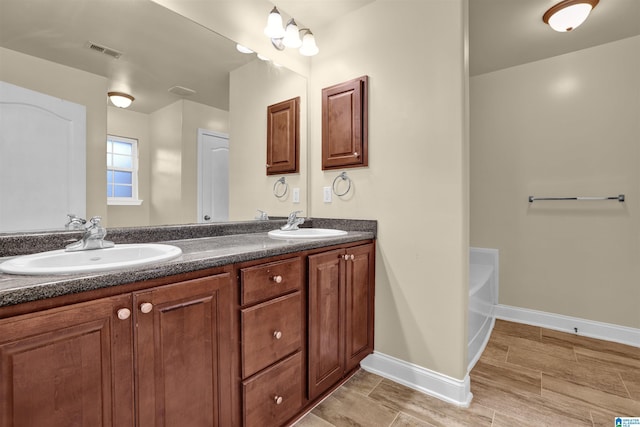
(568, 14)
(309, 46)
(120, 99)
(290, 36)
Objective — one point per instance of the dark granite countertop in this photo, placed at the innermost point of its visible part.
(197, 254)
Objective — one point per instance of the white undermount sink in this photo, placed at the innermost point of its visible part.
(62, 262)
(306, 233)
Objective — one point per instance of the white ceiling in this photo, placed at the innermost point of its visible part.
(161, 49)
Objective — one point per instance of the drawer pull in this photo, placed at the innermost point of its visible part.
(277, 400)
(124, 313)
(277, 334)
(146, 307)
(277, 279)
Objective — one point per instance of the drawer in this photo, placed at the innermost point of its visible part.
(275, 395)
(270, 331)
(265, 281)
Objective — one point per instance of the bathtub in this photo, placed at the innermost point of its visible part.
(483, 296)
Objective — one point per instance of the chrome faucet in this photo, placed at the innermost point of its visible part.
(292, 222)
(262, 216)
(93, 238)
(74, 222)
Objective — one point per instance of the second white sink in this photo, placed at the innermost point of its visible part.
(62, 262)
(306, 233)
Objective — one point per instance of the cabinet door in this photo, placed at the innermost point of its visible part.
(326, 324)
(70, 366)
(345, 125)
(283, 137)
(183, 353)
(360, 287)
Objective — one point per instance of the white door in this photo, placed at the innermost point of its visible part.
(42, 160)
(213, 176)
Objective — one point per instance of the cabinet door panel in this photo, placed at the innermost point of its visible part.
(360, 286)
(67, 367)
(326, 326)
(183, 353)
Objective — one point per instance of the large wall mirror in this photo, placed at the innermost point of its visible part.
(187, 81)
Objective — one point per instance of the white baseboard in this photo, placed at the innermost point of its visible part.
(418, 378)
(558, 322)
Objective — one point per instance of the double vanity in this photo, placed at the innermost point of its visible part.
(243, 328)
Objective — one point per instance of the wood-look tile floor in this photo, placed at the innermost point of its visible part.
(527, 376)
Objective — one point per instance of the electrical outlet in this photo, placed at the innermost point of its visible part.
(296, 195)
(326, 194)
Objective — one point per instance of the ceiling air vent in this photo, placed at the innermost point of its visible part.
(182, 91)
(105, 50)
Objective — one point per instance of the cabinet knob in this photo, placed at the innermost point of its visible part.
(124, 313)
(277, 334)
(352, 257)
(277, 279)
(146, 307)
(277, 399)
(355, 154)
(345, 257)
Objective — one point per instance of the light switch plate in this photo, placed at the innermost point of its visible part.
(296, 195)
(326, 194)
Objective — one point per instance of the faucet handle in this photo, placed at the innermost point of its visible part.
(95, 221)
(293, 215)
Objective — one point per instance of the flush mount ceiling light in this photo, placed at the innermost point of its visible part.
(568, 14)
(290, 36)
(120, 99)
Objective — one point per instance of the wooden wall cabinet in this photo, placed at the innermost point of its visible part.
(345, 125)
(341, 314)
(75, 365)
(283, 137)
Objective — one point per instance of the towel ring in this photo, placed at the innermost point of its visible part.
(344, 177)
(283, 183)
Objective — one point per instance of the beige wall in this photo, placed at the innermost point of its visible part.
(416, 182)
(131, 124)
(75, 86)
(565, 126)
(254, 87)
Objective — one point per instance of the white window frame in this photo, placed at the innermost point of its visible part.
(133, 200)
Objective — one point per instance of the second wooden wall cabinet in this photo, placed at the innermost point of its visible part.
(345, 124)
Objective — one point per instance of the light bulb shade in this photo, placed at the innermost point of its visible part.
(568, 14)
(243, 49)
(309, 47)
(274, 29)
(292, 35)
(120, 99)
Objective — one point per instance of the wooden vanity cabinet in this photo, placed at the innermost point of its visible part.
(272, 341)
(69, 366)
(75, 365)
(341, 314)
(251, 344)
